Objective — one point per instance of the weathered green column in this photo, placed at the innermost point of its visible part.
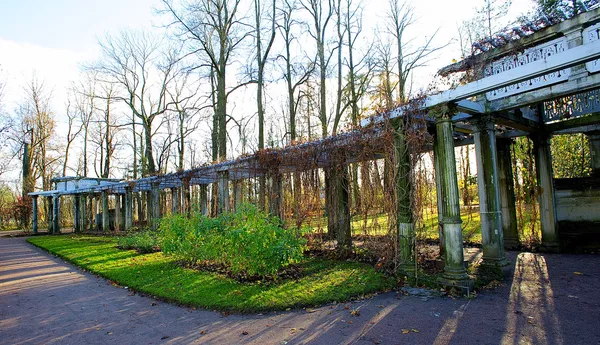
(338, 213)
(34, 219)
(440, 200)
(128, 208)
(185, 200)
(175, 201)
(507, 194)
(543, 162)
(49, 213)
(77, 214)
(117, 198)
(492, 238)
(454, 269)
(155, 205)
(83, 212)
(404, 211)
(594, 139)
(56, 214)
(203, 199)
(223, 186)
(275, 194)
(105, 215)
(237, 193)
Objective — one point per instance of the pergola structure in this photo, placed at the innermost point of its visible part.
(541, 79)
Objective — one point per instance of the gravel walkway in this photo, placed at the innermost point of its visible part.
(550, 299)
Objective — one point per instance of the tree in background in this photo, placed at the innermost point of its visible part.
(563, 8)
(141, 67)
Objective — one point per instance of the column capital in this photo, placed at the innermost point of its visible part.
(443, 112)
(485, 122)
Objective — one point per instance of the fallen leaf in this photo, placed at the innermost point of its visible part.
(164, 337)
(578, 273)
(203, 332)
(355, 312)
(415, 330)
(245, 333)
(405, 331)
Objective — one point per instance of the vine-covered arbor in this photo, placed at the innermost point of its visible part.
(535, 80)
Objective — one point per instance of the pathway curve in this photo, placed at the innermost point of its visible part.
(44, 300)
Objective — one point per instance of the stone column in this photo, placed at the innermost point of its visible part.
(507, 195)
(50, 212)
(404, 211)
(185, 200)
(543, 162)
(175, 201)
(440, 200)
(155, 205)
(128, 209)
(117, 213)
(77, 214)
(56, 214)
(492, 238)
(223, 186)
(338, 213)
(454, 268)
(34, 219)
(275, 194)
(594, 139)
(237, 193)
(203, 199)
(83, 212)
(105, 215)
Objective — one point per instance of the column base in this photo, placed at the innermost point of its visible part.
(464, 283)
(550, 247)
(495, 262)
(511, 243)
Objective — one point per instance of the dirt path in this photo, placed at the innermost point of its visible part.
(46, 301)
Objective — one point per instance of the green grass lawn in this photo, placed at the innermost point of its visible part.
(158, 275)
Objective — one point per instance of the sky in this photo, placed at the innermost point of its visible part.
(54, 39)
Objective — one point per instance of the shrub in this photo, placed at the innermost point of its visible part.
(247, 241)
(145, 241)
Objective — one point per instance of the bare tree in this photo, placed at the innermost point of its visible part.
(408, 58)
(72, 132)
(296, 72)
(321, 13)
(142, 70)
(36, 129)
(213, 29)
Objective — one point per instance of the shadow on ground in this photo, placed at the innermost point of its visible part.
(550, 299)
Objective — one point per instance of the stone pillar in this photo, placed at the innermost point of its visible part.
(338, 213)
(128, 209)
(507, 195)
(105, 215)
(543, 162)
(56, 214)
(404, 211)
(77, 214)
(185, 200)
(575, 39)
(117, 213)
(83, 212)
(223, 186)
(175, 200)
(122, 218)
(50, 212)
(440, 200)
(454, 269)
(34, 219)
(275, 194)
(155, 205)
(492, 238)
(594, 139)
(237, 193)
(203, 199)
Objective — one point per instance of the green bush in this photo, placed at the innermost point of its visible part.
(246, 241)
(145, 241)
